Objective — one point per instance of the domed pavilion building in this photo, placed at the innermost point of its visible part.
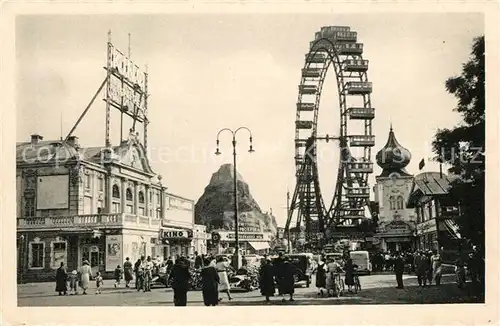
(396, 223)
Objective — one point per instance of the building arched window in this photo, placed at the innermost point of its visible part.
(392, 203)
(400, 202)
(141, 197)
(116, 191)
(129, 195)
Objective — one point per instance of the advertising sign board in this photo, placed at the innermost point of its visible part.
(113, 252)
(426, 227)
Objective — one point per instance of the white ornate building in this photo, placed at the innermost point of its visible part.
(98, 204)
(396, 224)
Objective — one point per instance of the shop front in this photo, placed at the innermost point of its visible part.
(176, 242)
(427, 233)
(395, 236)
(249, 242)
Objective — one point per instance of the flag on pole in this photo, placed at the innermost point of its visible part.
(421, 164)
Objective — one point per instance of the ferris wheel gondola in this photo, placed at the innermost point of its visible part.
(334, 48)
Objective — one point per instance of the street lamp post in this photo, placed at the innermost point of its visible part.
(236, 257)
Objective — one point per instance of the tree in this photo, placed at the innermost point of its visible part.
(463, 147)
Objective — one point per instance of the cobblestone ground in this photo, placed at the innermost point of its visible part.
(377, 289)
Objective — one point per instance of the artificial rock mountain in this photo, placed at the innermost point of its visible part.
(215, 208)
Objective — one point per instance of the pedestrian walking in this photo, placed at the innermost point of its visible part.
(279, 263)
(421, 269)
(85, 276)
(321, 276)
(128, 272)
(333, 268)
(222, 268)
(180, 277)
(430, 274)
(62, 280)
(118, 275)
(349, 274)
(98, 283)
(138, 274)
(198, 261)
(148, 273)
(287, 284)
(266, 279)
(170, 264)
(210, 280)
(73, 282)
(399, 267)
(436, 267)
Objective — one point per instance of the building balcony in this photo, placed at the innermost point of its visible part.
(95, 221)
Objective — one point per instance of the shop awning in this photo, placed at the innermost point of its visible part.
(259, 245)
(452, 228)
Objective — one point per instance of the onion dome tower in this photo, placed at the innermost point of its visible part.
(393, 157)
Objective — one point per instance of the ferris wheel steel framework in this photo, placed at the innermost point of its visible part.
(333, 46)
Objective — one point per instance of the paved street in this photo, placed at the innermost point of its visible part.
(377, 289)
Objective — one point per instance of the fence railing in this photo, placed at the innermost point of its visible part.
(89, 220)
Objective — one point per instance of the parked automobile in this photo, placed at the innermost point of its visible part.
(362, 260)
(303, 263)
(337, 256)
(245, 279)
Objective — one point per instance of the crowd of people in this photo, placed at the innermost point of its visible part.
(214, 278)
(278, 273)
(77, 279)
(427, 265)
(328, 275)
(274, 274)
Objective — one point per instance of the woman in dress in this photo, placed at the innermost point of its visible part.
(349, 274)
(85, 276)
(180, 277)
(266, 279)
(210, 280)
(287, 283)
(128, 272)
(221, 268)
(436, 267)
(321, 276)
(62, 280)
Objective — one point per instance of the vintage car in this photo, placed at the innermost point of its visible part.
(303, 263)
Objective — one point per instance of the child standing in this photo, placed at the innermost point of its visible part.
(73, 282)
(118, 275)
(98, 283)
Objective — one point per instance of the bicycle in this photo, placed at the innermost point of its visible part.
(339, 286)
(357, 284)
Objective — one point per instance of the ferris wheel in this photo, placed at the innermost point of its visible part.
(333, 48)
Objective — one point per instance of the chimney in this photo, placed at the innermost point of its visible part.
(35, 138)
(73, 142)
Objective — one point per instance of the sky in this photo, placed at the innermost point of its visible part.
(208, 72)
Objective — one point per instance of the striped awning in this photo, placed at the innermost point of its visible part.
(452, 228)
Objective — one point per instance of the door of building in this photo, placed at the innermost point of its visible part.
(391, 247)
(91, 254)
